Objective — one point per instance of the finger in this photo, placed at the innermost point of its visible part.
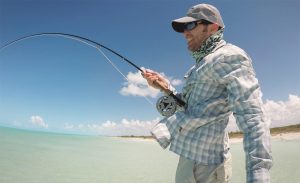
(149, 71)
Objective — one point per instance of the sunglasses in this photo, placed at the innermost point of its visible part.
(192, 25)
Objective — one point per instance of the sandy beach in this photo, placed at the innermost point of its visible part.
(287, 136)
(280, 136)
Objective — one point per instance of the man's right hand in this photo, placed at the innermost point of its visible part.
(156, 80)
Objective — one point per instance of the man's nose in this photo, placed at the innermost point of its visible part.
(185, 33)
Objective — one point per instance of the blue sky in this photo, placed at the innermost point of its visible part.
(57, 84)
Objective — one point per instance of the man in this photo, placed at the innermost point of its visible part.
(221, 82)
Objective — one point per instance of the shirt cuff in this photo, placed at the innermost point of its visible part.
(162, 135)
(259, 176)
(165, 130)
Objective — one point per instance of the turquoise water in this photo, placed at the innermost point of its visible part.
(33, 157)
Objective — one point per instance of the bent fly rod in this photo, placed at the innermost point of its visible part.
(165, 103)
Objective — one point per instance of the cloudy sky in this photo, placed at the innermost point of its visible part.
(62, 85)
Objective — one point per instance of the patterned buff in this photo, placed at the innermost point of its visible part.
(208, 46)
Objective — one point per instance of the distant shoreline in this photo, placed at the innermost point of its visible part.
(275, 132)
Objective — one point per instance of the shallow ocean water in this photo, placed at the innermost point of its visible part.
(35, 157)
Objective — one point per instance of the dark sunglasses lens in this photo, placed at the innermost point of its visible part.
(190, 26)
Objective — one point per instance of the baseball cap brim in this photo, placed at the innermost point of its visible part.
(178, 24)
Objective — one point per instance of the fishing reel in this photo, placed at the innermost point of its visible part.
(166, 105)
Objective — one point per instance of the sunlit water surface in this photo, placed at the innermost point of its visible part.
(35, 157)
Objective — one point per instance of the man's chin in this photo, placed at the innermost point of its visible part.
(191, 49)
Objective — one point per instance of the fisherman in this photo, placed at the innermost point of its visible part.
(222, 82)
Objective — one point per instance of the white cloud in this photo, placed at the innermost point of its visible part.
(138, 86)
(232, 126)
(282, 113)
(176, 82)
(74, 127)
(126, 127)
(110, 128)
(278, 113)
(69, 126)
(107, 124)
(139, 90)
(38, 121)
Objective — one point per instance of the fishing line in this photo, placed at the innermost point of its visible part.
(108, 60)
(163, 106)
(120, 71)
(99, 49)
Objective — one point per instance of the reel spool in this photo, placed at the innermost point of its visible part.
(166, 105)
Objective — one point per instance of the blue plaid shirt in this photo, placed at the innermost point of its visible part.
(222, 83)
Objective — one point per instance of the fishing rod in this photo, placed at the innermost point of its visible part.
(166, 105)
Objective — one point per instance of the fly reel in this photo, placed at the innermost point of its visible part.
(166, 105)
